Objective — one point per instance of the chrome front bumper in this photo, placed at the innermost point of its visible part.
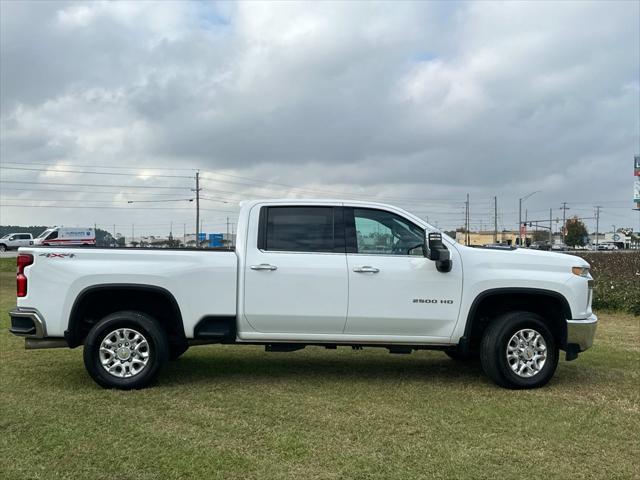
(581, 332)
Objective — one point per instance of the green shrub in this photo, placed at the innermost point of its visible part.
(617, 280)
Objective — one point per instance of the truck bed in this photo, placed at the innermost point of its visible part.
(201, 282)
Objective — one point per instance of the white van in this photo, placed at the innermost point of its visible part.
(66, 236)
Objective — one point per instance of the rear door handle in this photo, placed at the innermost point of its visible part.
(366, 269)
(263, 266)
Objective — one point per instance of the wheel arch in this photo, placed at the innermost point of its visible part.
(552, 306)
(96, 301)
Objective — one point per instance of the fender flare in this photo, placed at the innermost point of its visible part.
(71, 333)
(466, 338)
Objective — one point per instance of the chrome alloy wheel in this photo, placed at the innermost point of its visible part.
(124, 353)
(526, 353)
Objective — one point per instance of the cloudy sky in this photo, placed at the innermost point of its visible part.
(415, 104)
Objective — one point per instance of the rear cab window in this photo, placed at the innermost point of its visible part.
(310, 229)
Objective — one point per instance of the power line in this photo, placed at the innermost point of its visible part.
(57, 200)
(117, 192)
(260, 182)
(406, 200)
(92, 185)
(84, 165)
(21, 205)
(163, 200)
(317, 191)
(95, 173)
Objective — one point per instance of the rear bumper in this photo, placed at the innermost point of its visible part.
(580, 333)
(27, 322)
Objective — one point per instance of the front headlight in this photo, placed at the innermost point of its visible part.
(581, 271)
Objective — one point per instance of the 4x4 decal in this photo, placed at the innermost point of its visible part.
(57, 255)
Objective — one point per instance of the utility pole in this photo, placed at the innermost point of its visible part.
(184, 234)
(550, 226)
(495, 219)
(519, 221)
(598, 207)
(227, 227)
(466, 221)
(197, 190)
(132, 232)
(564, 209)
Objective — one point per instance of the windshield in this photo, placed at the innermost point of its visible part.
(45, 233)
(6, 236)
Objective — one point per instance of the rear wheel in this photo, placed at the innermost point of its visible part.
(518, 351)
(125, 350)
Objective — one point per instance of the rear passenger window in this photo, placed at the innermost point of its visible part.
(300, 229)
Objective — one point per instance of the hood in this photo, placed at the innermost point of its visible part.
(523, 257)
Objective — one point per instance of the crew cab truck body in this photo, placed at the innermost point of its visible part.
(309, 272)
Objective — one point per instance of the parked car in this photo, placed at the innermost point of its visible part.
(300, 276)
(499, 246)
(13, 241)
(559, 247)
(604, 247)
(541, 246)
(66, 236)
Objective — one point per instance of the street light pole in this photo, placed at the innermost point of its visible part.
(520, 214)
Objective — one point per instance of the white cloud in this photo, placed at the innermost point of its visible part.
(416, 100)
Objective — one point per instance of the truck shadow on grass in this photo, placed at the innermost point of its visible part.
(203, 367)
(427, 367)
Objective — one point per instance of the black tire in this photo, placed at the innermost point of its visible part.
(493, 350)
(3, 248)
(468, 357)
(158, 349)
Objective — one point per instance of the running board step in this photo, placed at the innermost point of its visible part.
(283, 347)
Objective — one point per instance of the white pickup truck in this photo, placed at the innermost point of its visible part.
(309, 272)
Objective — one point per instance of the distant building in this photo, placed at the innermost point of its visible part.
(505, 237)
(622, 240)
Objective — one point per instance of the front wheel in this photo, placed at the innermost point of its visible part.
(518, 351)
(125, 350)
(3, 248)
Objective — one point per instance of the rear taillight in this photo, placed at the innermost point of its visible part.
(24, 260)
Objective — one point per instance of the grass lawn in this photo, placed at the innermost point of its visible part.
(238, 412)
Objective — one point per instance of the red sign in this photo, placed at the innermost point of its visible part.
(523, 229)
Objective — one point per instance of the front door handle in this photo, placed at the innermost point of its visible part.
(366, 269)
(263, 266)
